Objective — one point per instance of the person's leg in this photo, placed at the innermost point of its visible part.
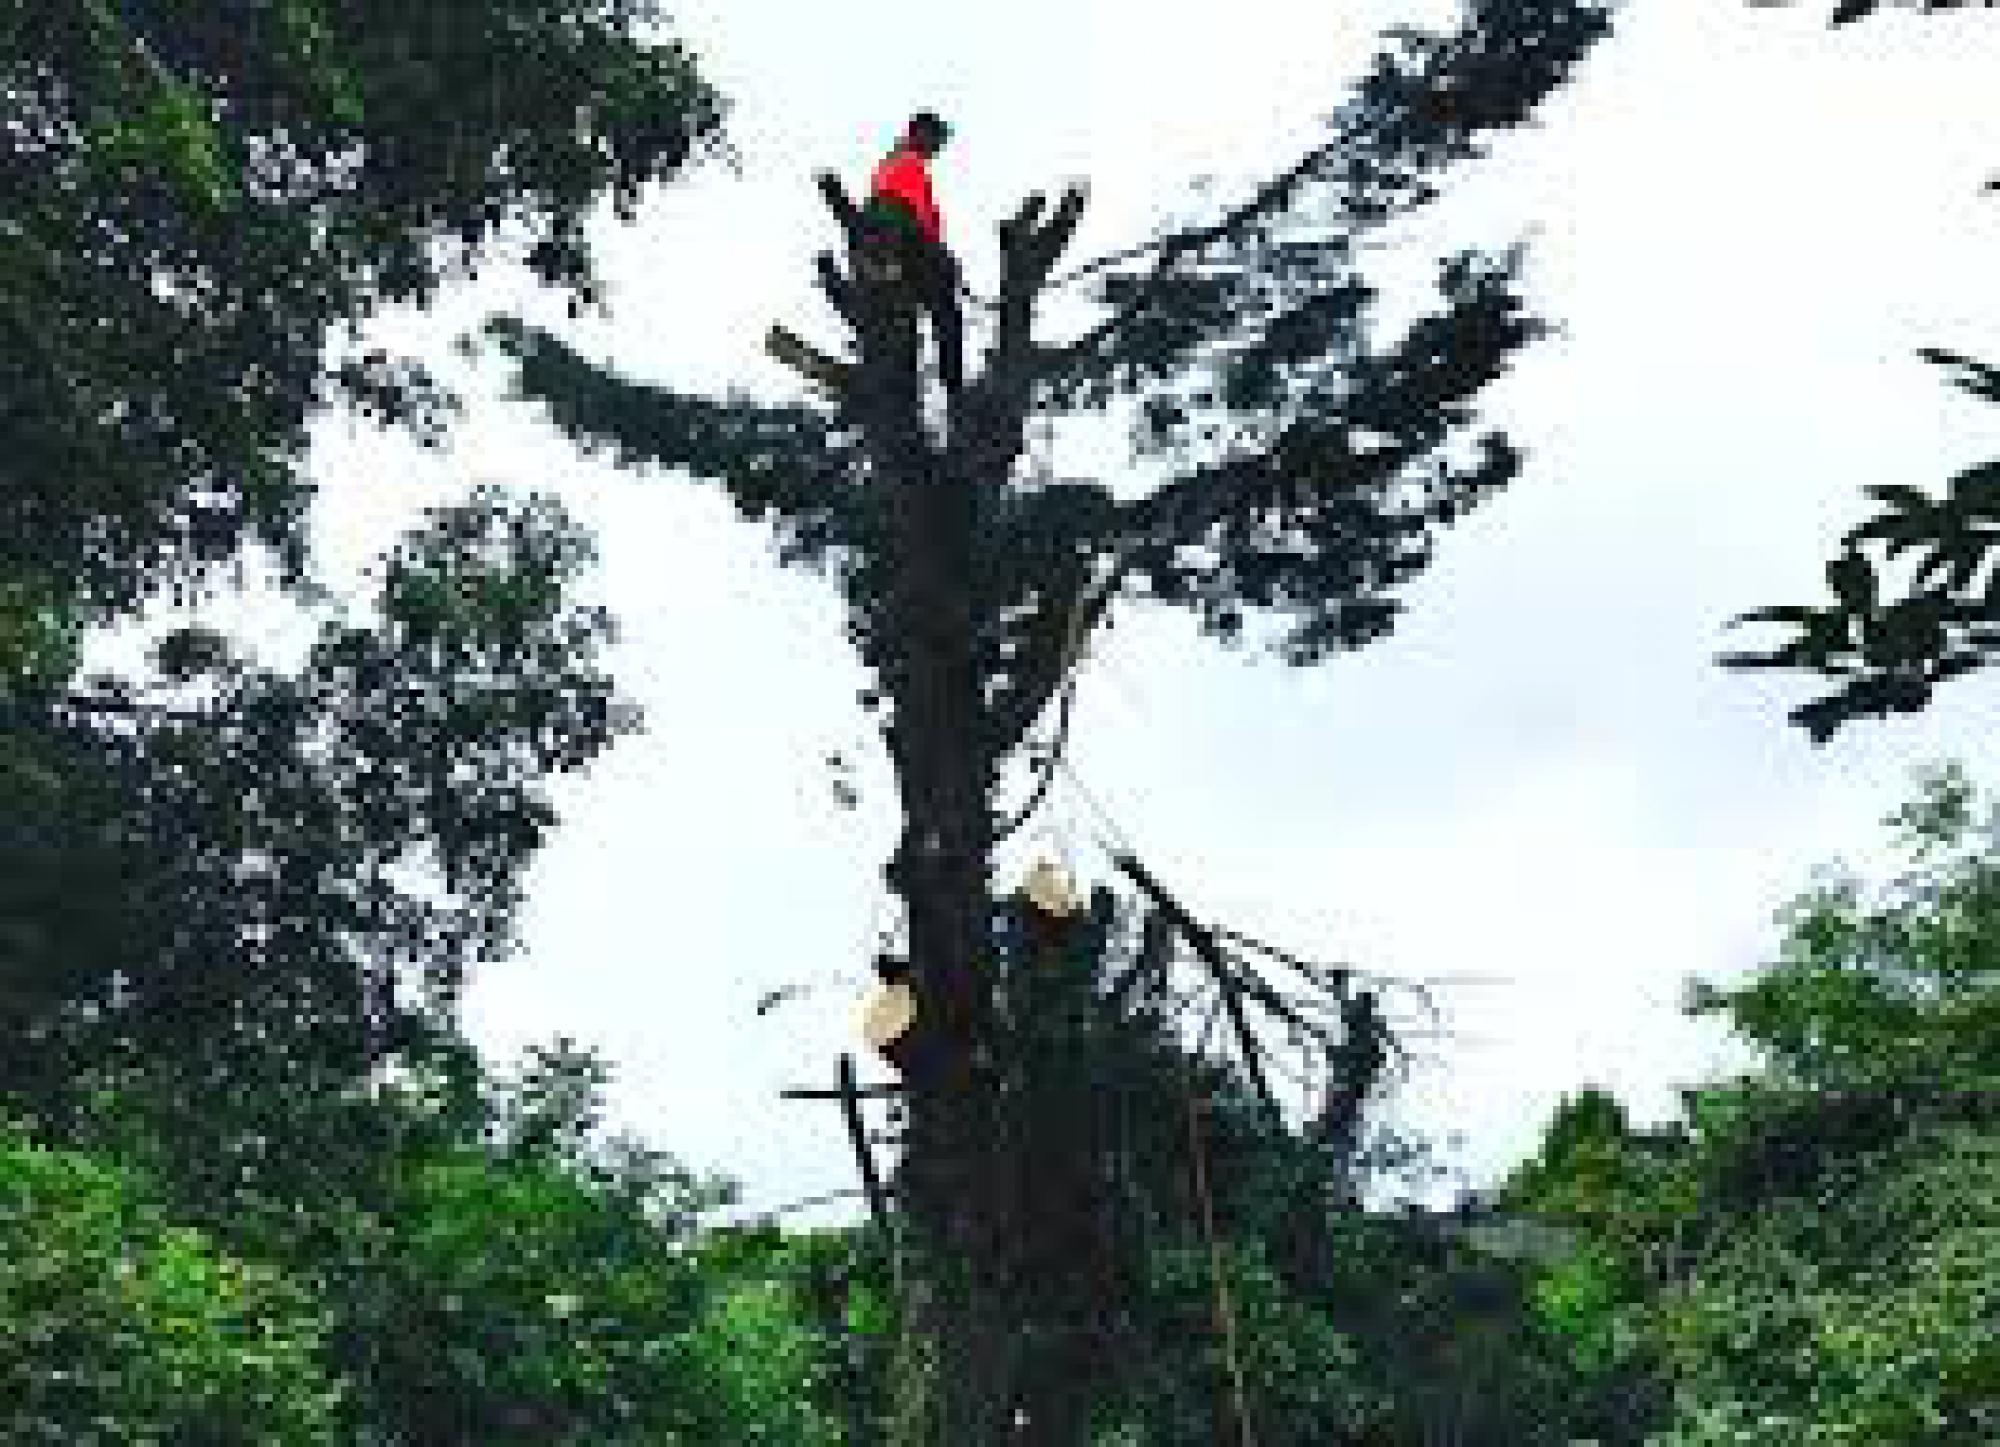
(947, 321)
(890, 238)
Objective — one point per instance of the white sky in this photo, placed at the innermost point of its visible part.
(1746, 226)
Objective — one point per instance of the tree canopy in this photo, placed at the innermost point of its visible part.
(1807, 1254)
(206, 199)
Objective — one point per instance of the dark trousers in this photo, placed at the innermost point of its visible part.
(930, 275)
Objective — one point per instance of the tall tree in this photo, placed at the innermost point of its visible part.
(204, 198)
(230, 895)
(204, 202)
(1810, 1253)
(252, 887)
(1315, 463)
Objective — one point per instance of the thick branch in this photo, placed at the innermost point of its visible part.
(790, 462)
(1203, 942)
(1063, 625)
(1421, 108)
(840, 204)
(839, 291)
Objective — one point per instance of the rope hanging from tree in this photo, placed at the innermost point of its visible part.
(1218, 1266)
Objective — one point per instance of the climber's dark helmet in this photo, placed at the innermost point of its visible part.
(928, 132)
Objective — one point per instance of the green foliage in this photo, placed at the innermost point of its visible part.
(237, 904)
(801, 1329)
(1894, 988)
(527, 1309)
(1859, 1313)
(235, 912)
(201, 195)
(1813, 1255)
(39, 636)
(1301, 1378)
(1890, 652)
(233, 897)
(117, 1327)
(765, 1362)
(549, 1286)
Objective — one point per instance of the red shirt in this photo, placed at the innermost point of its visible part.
(905, 176)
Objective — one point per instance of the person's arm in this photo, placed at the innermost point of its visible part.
(927, 206)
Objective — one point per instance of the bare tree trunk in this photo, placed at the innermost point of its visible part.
(954, 1379)
(960, 1381)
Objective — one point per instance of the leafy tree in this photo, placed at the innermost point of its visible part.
(548, 1284)
(240, 905)
(231, 900)
(522, 1306)
(117, 1327)
(769, 1366)
(1859, 1311)
(801, 1329)
(1315, 462)
(1890, 649)
(234, 902)
(1809, 1256)
(231, 894)
(202, 197)
(1892, 987)
(1889, 645)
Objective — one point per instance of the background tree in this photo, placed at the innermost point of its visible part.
(1315, 462)
(213, 876)
(1888, 643)
(203, 201)
(251, 890)
(1808, 1254)
(120, 1326)
(239, 902)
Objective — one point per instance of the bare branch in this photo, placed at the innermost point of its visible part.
(1204, 944)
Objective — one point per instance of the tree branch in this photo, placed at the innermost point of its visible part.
(790, 463)
(1422, 107)
(1203, 942)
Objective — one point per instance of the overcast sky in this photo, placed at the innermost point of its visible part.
(1540, 789)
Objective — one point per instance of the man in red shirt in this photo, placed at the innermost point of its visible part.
(908, 233)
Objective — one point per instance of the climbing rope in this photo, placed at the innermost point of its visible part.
(1225, 1305)
(1050, 757)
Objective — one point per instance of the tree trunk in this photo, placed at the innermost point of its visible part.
(957, 1164)
(954, 1378)
(960, 1381)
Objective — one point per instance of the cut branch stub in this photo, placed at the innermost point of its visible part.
(840, 203)
(1051, 240)
(1022, 223)
(808, 361)
(839, 291)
